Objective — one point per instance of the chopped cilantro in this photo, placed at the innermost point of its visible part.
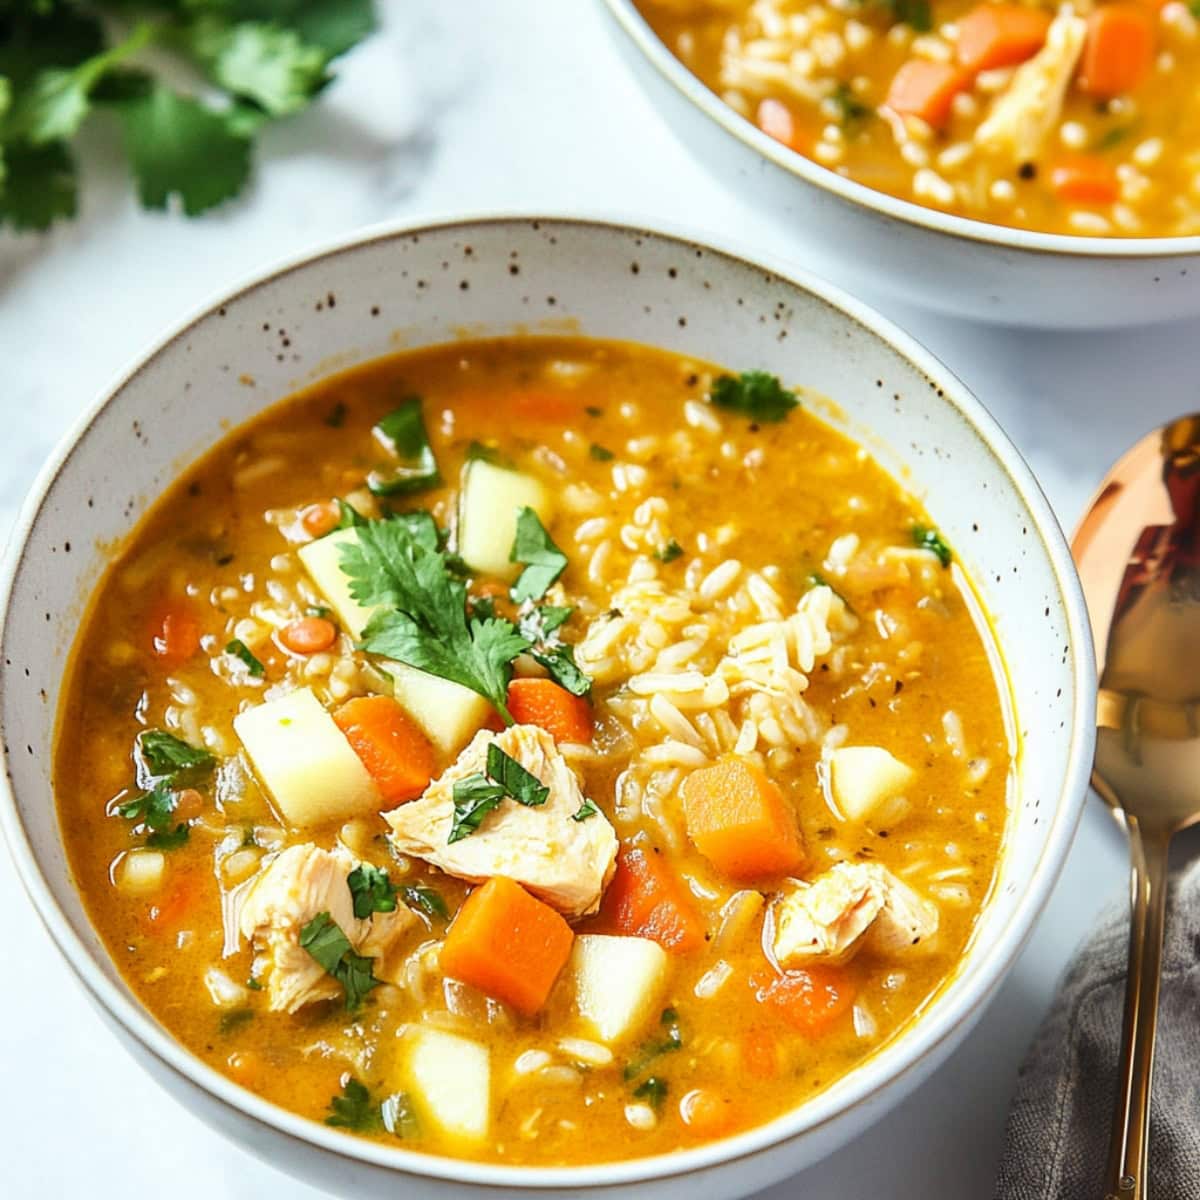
(324, 940)
(240, 650)
(655, 1048)
(544, 561)
(317, 610)
(235, 1019)
(930, 539)
(169, 839)
(403, 435)
(523, 786)
(600, 453)
(539, 626)
(559, 660)
(669, 552)
(372, 891)
(816, 579)
(477, 795)
(417, 895)
(162, 754)
(653, 1090)
(348, 516)
(594, 410)
(1116, 135)
(423, 621)
(915, 13)
(850, 108)
(253, 984)
(399, 1116)
(756, 394)
(585, 810)
(354, 1109)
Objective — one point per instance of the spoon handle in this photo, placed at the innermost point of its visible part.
(1128, 1155)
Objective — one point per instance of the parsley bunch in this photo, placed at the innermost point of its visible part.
(62, 60)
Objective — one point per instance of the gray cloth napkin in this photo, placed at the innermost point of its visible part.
(1056, 1143)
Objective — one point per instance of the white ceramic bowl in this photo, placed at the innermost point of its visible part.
(416, 286)
(871, 242)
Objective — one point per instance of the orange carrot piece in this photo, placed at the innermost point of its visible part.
(926, 89)
(546, 408)
(646, 899)
(396, 753)
(308, 635)
(759, 1054)
(1000, 35)
(167, 914)
(543, 702)
(508, 944)
(175, 632)
(1119, 50)
(738, 819)
(809, 1000)
(776, 120)
(320, 519)
(708, 1113)
(1084, 179)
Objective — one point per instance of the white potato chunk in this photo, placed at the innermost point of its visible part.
(450, 1079)
(864, 777)
(448, 713)
(619, 983)
(491, 498)
(141, 872)
(305, 763)
(322, 559)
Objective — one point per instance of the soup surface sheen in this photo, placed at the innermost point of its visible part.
(1081, 118)
(788, 784)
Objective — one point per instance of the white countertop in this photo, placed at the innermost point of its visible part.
(473, 105)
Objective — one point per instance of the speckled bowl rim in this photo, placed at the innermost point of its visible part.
(900, 1059)
(657, 53)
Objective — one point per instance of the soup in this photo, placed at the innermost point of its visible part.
(540, 751)
(1079, 119)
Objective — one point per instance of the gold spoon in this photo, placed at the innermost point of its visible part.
(1138, 552)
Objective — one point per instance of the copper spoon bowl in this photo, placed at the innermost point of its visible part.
(1138, 552)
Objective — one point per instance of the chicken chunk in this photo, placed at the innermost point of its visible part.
(850, 906)
(566, 863)
(1027, 111)
(286, 894)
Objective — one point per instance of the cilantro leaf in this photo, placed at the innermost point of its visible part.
(653, 1049)
(354, 1109)
(325, 941)
(239, 649)
(177, 146)
(474, 797)
(163, 754)
(544, 561)
(417, 895)
(348, 516)
(653, 1091)
(38, 185)
(372, 891)
(585, 810)
(260, 62)
(152, 809)
(850, 108)
(930, 539)
(523, 786)
(559, 660)
(600, 453)
(916, 13)
(332, 25)
(169, 839)
(403, 435)
(669, 552)
(757, 394)
(425, 623)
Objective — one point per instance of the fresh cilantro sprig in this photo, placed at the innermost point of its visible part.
(326, 942)
(476, 795)
(372, 891)
(419, 895)
(162, 754)
(544, 561)
(929, 539)
(241, 651)
(392, 565)
(164, 764)
(540, 625)
(354, 1109)
(756, 394)
(61, 61)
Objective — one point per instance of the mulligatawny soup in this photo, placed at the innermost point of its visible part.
(1080, 117)
(538, 750)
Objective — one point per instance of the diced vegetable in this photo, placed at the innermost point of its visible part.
(542, 702)
(1085, 179)
(320, 518)
(391, 746)
(305, 762)
(646, 899)
(322, 559)
(492, 497)
(1000, 35)
(776, 120)
(174, 633)
(508, 944)
(810, 1000)
(708, 1113)
(450, 1082)
(863, 777)
(308, 635)
(619, 983)
(1119, 51)
(926, 89)
(141, 872)
(448, 713)
(738, 819)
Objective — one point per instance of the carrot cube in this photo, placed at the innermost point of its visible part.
(925, 89)
(646, 899)
(1119, 50)
(1000, 35)
(542, 702)
(395, 752)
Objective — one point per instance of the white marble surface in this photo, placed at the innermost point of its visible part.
(476, 105)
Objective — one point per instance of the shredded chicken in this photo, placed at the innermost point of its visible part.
(565, 862)
(849, 906)
(286, 894)
(1028, 110)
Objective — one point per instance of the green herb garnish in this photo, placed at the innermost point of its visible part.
(403, 435)
(653, 1091)
(600, 453)
(477, 795)
(559, 660)
(169, 839)
(670, 552)
(163, 755)
(354, 1109)
(417, 895)
(653, 1049)
(930, 539)
(235, 1019)
(522, 785)
(348, 516)
(317, 610)
(324, 940)
(850, 108)
(544, 561)
(240, 650)
(585, 810)
(336, 417)
(916, 13)
(756, 394)
(424, 621)
(372, 891)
